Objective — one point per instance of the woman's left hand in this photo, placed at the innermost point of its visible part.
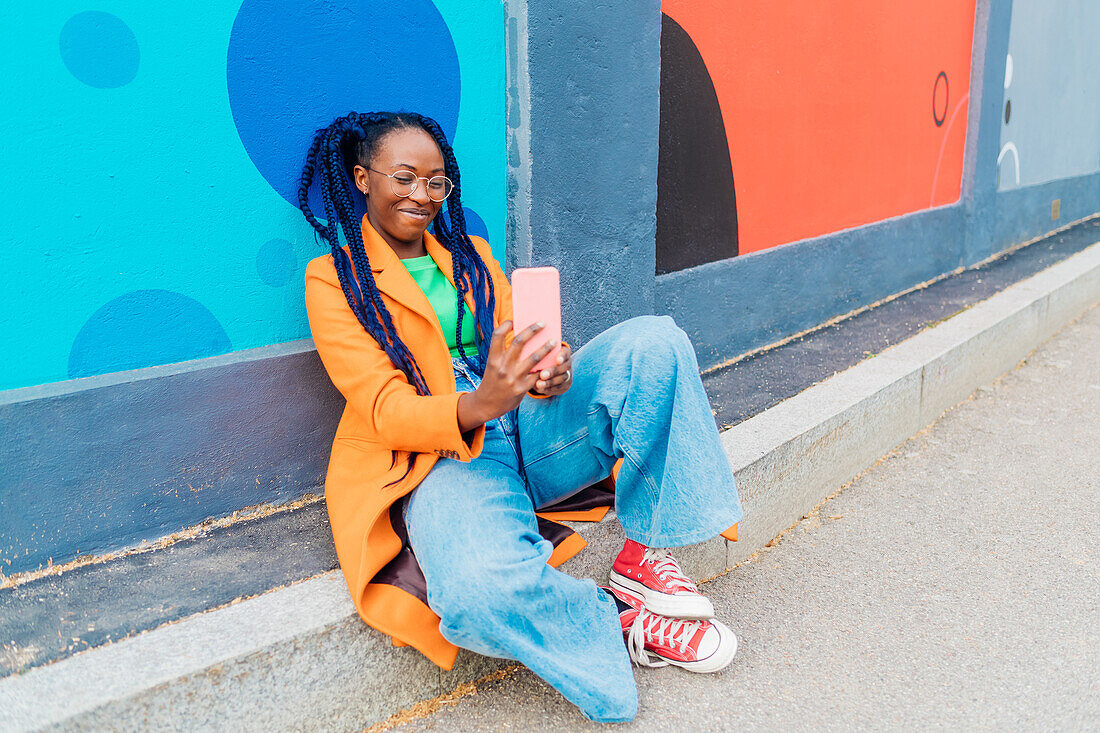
(556, 381)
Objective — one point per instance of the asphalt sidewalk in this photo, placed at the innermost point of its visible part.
(955, 584)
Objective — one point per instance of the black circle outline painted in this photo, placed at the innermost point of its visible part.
(947, 96)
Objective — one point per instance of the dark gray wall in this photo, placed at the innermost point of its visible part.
(92, 465)
(992, 23)
(594, 76)
(736, 305)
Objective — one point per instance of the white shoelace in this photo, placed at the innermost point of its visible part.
(668, 631)
(666, 568)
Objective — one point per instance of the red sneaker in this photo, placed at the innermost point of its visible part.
(653, 640)
(653, 575)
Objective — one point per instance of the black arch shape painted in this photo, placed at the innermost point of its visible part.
(696, 202)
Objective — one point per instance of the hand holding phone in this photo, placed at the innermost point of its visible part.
(536, 296)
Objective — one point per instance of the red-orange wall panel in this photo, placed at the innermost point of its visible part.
(828, 107)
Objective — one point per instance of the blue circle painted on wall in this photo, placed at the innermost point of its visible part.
(294, 67)
(276, 262)
(474, 224)
(143, 328)
(99, 49)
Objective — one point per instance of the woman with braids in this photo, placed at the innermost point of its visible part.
(449, 443)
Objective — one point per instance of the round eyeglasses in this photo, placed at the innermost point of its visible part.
(404, 183)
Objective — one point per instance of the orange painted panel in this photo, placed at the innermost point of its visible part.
(828, 107)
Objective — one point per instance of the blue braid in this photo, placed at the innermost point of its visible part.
(335, 150)
(468, 269)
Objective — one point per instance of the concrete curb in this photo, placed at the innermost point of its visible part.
(299, 657)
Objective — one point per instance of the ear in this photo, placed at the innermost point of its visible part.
(362, 179)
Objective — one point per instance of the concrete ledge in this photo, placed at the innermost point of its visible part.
(299, 657)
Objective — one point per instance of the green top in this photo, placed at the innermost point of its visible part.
(444, 301)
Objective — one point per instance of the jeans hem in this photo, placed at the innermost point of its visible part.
(682, 539)
(610, 720)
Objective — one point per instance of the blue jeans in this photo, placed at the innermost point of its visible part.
(636, 395)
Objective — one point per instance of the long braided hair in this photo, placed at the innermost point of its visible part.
(353, 140)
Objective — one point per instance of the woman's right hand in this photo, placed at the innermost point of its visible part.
(507, 377)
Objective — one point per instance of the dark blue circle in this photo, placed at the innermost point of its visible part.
(143, 328)
(99, 49)
(294, 67)
(474, 224)
(276, 262)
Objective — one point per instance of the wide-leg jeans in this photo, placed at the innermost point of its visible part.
(636, 395)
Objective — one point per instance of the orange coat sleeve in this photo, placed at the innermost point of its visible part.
(394, 414)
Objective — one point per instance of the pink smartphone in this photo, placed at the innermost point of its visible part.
(536, 296)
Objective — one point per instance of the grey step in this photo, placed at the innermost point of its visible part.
(299, 658)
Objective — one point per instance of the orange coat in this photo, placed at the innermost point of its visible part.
(384, 412)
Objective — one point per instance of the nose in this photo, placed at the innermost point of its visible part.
(420, 193)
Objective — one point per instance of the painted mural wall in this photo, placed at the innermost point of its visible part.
(792, 119)
(1051, 107)
(152, 152)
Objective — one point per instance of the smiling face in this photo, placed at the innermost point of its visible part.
(401, 220)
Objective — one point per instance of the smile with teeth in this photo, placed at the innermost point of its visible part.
(416, 213)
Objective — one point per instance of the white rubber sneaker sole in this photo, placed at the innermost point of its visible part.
(718, 660)
(685, 606)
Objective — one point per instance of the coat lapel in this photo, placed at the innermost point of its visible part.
(393, 279)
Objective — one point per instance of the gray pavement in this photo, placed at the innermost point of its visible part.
(953, 585)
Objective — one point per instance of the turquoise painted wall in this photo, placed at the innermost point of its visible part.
(1051, 109)
(151, 150)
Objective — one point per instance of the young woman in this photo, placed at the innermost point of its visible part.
(449, 444)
